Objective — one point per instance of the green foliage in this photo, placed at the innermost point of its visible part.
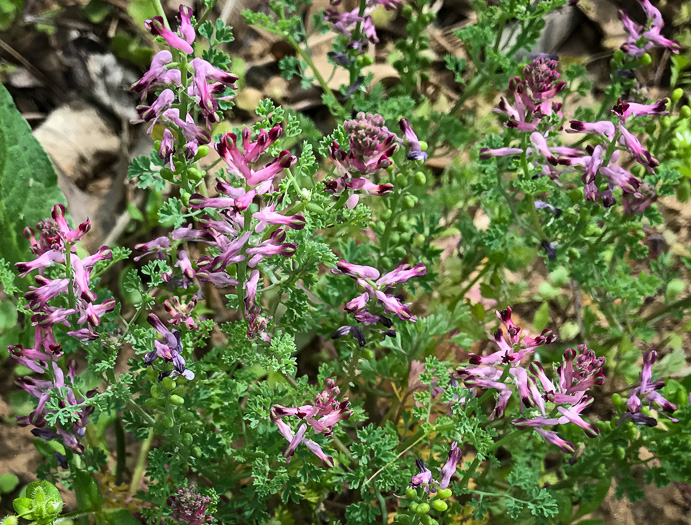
(23, 164)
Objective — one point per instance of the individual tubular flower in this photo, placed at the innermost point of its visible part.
(415, 152)
(208, 83)
(424, 477)
(168, 349)
(188, 506)
(643, 38)
(647, 391)
(239, 162)
(322, 416)
(158, 74)
(156, 27)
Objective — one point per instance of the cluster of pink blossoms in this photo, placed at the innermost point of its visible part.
(345, 23)
(377, 298)
(424, 477)
(232, 234)
(643, 38)
(206, 86)
(189, 506)
(577, 374)
(371, 146)
(322, 416)
(58, 301)
(597, 164)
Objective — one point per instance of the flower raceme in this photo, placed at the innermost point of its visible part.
(643, 38)
(424, 477)
(58, 301)
(648, 391)
(189, 506)
(321, 417)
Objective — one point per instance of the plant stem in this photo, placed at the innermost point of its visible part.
(316, 72)
(423, 436)
(120, 447)
(141, 463)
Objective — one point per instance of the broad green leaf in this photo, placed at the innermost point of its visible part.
(28, 183)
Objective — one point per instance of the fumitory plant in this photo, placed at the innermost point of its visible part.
(340, 327)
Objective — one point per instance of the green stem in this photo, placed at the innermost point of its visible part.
(158, 6)
(316, 72)
(136, 408)
(141, 463)
(120, 447)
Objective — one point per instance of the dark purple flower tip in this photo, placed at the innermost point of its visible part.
(355, 331)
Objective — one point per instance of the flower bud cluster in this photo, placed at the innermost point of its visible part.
(350, 21)
(189, 506)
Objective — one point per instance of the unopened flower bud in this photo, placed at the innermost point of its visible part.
(685, 111)
(677, 94)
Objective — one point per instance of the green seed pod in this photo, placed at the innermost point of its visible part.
(380, 227)
(414, 506)
(411, 493)
(151, 374)
(10, 520)
(665, 122)
(367, 354)
(386, 214)
(187, 439)
(179, 166)
(575, 195)
(407, 11)
(445, 493)
(177, 400)
(367, 59)
(631, 432)
(169, 383)
(422, 508)
(419, 239)
(677, 94)
(674, 288)
(167, 174)
(155, 391)
(607, 449)
(559, 276)
(684, 191)
(386, 262)
(395, 238)
(645, 60)
(360, 61)
(202, 151)
(423, 145)
(618, 55)
(592, 231)
(167, 421)
(409, 201)
(406, 237)
(157, 145)
(401, 180)
(617, 400)
(440, 505)
(420, 178)
(195, 174)
(400, 252)
(619, 453)
(685, 111)
(574, 253)
(185, 198)
(151, 403)
(187, 416)
(197, 451)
